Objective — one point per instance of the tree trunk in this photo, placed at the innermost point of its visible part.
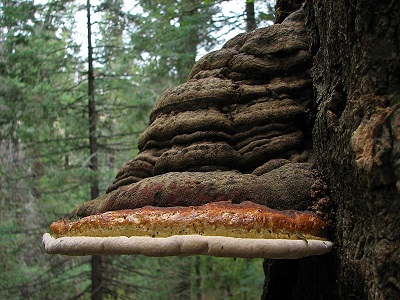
(356, 136)
(198, 284)
(96, 265)
(250, 16)
(94, 163)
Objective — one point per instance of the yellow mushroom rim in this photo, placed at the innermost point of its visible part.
(223, 229)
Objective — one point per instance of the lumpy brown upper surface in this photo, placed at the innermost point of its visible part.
(238, 129)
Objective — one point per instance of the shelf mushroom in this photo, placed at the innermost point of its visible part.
(225, 166)
(245, 230)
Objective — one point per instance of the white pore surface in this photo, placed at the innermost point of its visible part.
(184, 245)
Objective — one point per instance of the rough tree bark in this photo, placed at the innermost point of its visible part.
(356, 67)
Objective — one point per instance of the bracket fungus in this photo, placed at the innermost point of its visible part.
(225, 166)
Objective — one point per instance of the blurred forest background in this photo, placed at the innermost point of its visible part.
(60, 140)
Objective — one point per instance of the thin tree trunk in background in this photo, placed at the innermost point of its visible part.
(94, 163)
(250, 16)
(96, 276)
(199, 290)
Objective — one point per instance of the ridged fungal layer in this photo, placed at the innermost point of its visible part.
(237, 130)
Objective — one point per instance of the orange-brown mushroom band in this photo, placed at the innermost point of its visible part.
(245, 220)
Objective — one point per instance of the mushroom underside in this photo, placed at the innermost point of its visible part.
(185, 245)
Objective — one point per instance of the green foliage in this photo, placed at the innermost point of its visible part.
(179, 27)
(186, 277)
